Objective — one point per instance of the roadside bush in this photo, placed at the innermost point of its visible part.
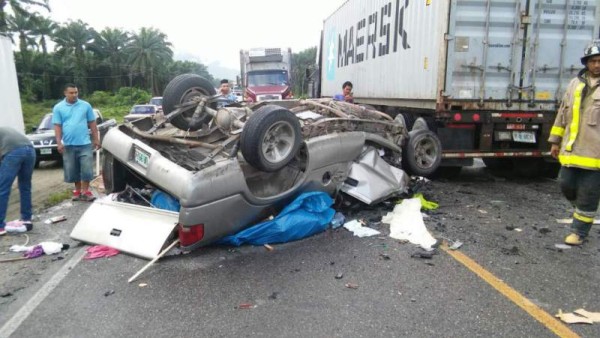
(128, 96)
(100, 98)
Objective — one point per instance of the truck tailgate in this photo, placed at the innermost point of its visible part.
(138, 230)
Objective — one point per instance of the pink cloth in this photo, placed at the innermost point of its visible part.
(98, 251)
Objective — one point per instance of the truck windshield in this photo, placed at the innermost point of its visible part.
(268, 78)
(143, 110)
(46, 123)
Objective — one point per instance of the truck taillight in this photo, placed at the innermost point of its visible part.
(190, 234)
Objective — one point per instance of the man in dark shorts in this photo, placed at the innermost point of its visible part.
(73, 119)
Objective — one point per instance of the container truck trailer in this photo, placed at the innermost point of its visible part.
(486, 76)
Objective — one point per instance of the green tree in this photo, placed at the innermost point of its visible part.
(72, 42)
(19, 7)
(301, 62)
(43, 29)
(149, 52)
(184, 67)
(109, 46)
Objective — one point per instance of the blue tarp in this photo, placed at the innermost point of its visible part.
(162, 200)
(308, 214)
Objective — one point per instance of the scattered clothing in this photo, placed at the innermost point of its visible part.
(34, 252)
(425, 204)
(98, 251)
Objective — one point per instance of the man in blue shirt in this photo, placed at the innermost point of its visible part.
(227, 97)
(71, 118)
(346, 94)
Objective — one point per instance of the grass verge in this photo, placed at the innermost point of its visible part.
(57, 197)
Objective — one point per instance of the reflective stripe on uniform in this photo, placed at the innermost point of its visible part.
(582, 218)
(574, 129)
(557, 131)
(580, 161)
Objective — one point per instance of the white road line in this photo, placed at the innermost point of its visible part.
(19, 317)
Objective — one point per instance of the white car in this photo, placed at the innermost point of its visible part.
(140, 111)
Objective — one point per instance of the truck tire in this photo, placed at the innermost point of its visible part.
(113, 174)
(422, 154)
(410, 119)
(182, 89)
(271, 138)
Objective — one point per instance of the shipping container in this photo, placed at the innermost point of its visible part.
(487, 75)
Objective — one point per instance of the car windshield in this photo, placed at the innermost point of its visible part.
(268, 78)
(157, 101)
(142, 110)
(46, 123)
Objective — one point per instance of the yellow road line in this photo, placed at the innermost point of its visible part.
(535, 311)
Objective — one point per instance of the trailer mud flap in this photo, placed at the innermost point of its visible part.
(137, 230)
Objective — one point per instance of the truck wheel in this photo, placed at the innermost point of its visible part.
(184, 88)
(271, 138)
(113, 174)
(423, 153)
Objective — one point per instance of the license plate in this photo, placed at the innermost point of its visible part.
(524, 136)
(515, 126)
(45, 151)
(141, 157)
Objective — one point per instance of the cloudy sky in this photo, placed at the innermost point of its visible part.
(209, 31)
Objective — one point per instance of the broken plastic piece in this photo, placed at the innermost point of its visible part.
(351, 286)
(358, 230)
(593, 316)
(56, 219)
(338, 220)
(571, 318)
(245, 306)
(456, 245)
(562, 246)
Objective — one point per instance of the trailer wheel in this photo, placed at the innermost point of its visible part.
(113, 174)
(271, 138)
(184, 88)
(423, 153)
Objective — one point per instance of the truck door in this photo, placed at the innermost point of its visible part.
(556, 36)
(519, 54)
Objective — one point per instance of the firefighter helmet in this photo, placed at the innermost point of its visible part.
(592, 49)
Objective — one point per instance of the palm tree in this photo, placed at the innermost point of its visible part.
(44, 28)
(150, 53)
(18, 8)
(73, 40)
(22, 25)
(109, 47)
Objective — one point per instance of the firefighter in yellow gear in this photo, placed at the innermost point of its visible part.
(575, 139)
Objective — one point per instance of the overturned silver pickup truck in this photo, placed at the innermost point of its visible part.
(234, 166)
